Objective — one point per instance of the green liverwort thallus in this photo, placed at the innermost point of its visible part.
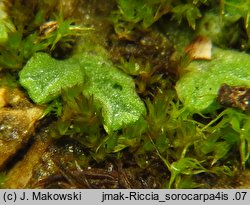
(113, 91)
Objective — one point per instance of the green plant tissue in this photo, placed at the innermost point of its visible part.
(113, 91)
(44, 77)
(3, 33)
(198, 88)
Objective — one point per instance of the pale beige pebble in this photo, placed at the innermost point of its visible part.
(2, 97)
(16, 128)
(18, 120)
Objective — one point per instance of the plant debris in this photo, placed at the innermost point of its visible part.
(200, 48)
(238, 97)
